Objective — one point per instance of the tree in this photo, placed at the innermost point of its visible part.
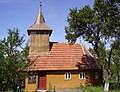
(12, 60)
(116, 60)
(99, 26)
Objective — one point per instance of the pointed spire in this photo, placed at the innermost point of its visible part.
(40, 17)
(40, 22)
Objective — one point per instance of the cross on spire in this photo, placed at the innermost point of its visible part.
(40, 23)
(41, 5)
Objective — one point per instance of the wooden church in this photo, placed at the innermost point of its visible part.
(55, 65)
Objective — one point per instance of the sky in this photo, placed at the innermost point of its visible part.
(22, 14)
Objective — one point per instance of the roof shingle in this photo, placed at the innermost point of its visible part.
(39, 24)
(63, 56)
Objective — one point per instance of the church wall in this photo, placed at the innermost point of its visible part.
(30, 87)
(39, 44)
(56, 79)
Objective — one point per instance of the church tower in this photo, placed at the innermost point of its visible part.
(39, 34)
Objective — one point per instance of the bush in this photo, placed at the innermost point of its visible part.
(114, 86)
(98, 89)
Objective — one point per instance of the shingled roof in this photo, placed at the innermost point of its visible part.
(39, 24)
(63, 56)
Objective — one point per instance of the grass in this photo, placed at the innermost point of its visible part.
(96, 89)
(92, 89)
(22, 90)
(86, 89)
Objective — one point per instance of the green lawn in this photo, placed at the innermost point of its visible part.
(87, 89)
(22, 90)
(96, 89)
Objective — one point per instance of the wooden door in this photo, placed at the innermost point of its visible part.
(42, 81)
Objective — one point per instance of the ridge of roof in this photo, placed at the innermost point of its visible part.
(66, 43)
(89, 53)
(82, 49)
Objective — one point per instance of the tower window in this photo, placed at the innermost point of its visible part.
(38, 32)
(33, 32)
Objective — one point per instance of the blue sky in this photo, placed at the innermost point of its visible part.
(21, 14)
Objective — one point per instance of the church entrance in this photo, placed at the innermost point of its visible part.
(42, 81)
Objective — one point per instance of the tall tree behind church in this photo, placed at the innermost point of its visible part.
(99, 26)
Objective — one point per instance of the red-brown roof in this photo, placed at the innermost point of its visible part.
(63, 56)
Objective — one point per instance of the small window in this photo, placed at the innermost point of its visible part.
(33, 32)
(32, 79)
(96, 75)
(67, 76)
(82, 75)
(39, 32)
